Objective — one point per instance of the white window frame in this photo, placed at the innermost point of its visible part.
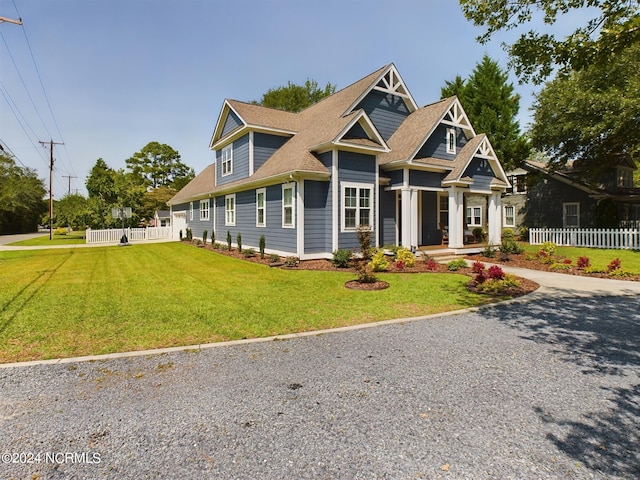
(191, 211)
(263, 208)
(451, 140)
(204, 210)
(358, 207)
(471, 216)
(230, 210)
(226, 160)
(289, 186)
(564, 214)
(506, 216)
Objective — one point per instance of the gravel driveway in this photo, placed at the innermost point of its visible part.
(548, 388)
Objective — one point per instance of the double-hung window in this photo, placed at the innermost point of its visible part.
(227, 160)
(356, 206)
(451, 140)
(509, 216)
(474, 216)
(571, 215)
(204, 209)
(261, 207)
(230, 210)
(288, 205)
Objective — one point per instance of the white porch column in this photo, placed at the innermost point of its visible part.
(456, 218)
(406, 217)
(494, 232)
(414, 218)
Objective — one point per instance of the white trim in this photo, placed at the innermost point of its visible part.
(230, 213)
(470, 218)
(335, 201)
(300, 214)
(359, 187)
(262, 191)
(451, 134)
(204, 212)
(564, 214)
(505, 216)
(292, 187)
(250, 153)
(228, 162)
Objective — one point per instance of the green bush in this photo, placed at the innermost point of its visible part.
(248, 252)
(455, 265)
(341, 258)
(489, 251)
(405, 256)
(379, 262)
(549, 248)
(213, 236)
(595, 270)
(274, 257)
(60, 231)
(560, 266)
(291, 262)
(479, 234)
(204, 236)
(510, 246)
(239, 242)
(228, 240)
(496, 286)
(261, 245)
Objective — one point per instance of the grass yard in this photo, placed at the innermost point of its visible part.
(61, 303)
(599, 257)
(69, 239)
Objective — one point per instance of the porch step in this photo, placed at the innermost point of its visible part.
(445, 258)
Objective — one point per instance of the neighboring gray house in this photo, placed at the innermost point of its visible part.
(162, 218)
(366, 155)
(540, 198)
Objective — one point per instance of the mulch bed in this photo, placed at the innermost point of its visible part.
(520, 261)
(421, 266)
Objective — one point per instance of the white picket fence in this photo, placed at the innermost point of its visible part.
(113, 235)
(587, 237)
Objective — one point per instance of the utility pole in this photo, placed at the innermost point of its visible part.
(51, 143)
(11, 20)
(69, 177)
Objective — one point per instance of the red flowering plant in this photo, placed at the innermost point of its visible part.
(615, 264)
(583, 262)
(495, 273)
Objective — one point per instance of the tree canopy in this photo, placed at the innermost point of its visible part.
(294, 98)
(591, 115)
(22, 203)
(492, 106)
(613, 25)
(157, 165)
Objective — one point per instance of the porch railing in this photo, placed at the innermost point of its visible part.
(617, 238)
(113, 235)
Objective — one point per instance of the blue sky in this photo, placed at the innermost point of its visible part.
(121, 73)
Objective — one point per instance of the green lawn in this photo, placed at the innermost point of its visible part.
(599, 257)
(61, 303)
(69, 239)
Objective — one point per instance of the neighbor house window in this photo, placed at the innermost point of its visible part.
(451, 140)
(227, 160)
(571, 215)
(509, 216)
(190, 210)
(474, 216)
(288, 203)
(230, 210)
(204, 209)
(625, 178)
(356, 206)
(261, 217)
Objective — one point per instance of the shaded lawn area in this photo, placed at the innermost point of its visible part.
(69, 239)
(61, 303)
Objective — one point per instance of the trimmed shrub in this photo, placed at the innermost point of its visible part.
(239, 242)
(341, 258)
(261, 245)
(379, 262)
(180, 233)
(455, 265)
(291, 262)
(204, 236)
(248, 252)
(489, 251)
(583, 262)
(404, 255)
(274, 257)
(549, 248)
(495, 272)
(228, 240)
(477, 267)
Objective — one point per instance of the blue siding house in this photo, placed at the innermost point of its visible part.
(366, 155)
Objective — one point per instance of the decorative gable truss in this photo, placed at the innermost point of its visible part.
(456, 117)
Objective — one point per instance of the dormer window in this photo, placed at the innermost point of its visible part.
(625, 178)
(451, 140)
(227, 160)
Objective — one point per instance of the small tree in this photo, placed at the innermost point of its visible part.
(261, 246)
(228, 240)
(239, 242)
(204, 236)
(364, 234)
